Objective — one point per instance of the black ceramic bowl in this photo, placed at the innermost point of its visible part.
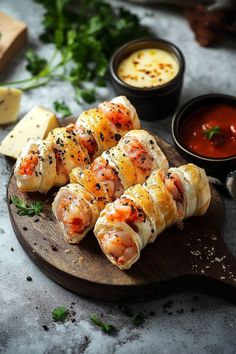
(156, 102)
(216, 166)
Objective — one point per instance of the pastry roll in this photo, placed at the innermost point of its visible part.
(68, 154)
(75, 145)
(127, 225)
(75, 219)
(130, 162)
(109, 122)
(36, 169)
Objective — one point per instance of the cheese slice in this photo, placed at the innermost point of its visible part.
(9, 104)
(36, 124)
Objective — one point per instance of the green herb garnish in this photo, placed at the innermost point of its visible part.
(35, 63)
(87, 95)
(62, 108)
(24, 208)
(60, 314)
(139, 319)
(84, 37)
(107, 328)
(209, 133)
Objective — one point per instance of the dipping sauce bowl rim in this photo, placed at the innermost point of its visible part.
(142, 41)
(176, 123)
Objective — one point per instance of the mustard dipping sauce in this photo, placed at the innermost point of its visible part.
(148, 68)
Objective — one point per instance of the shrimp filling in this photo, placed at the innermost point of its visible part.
(75, 214)
(84, 137)
(139, 156)
(175, 187)
(119, 245)
(28, 164)
(125, 210)
(117, 113)
(108, 176)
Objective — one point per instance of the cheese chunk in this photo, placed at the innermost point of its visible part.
(13, 38)
(36, 124)
(9, 104)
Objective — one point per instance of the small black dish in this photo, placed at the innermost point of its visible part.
(156, 102)
(218, 167)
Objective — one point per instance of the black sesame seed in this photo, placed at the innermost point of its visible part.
(167, 304)
(117, 137)
(54, 248)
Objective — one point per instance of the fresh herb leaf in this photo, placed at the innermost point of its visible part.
(209, 133)
(60, 314)
(24, 208)
(139, 319)
(35, 63)
(126, 310)
(107, 328)
(87, 95)
(62, 108)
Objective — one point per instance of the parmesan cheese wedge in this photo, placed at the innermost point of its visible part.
(9, 104)
(36, 124)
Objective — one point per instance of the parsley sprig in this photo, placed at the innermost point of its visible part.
(35, 64)
(211, 132)
(24, 208)
(59, 314)
(62, 108)
(105, 327)
(84, 39)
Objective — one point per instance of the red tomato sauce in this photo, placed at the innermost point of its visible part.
(221, 117)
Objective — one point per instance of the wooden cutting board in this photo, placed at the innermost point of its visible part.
(195, 258)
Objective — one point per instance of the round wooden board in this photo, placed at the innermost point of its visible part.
(177, 260)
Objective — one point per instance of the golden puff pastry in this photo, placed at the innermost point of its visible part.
(127, 225)
(109, 122)
(133, 160)
(75, 145)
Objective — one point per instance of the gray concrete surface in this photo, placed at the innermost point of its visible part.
(26, 306)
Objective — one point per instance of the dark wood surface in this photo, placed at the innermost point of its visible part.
(195, 258)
